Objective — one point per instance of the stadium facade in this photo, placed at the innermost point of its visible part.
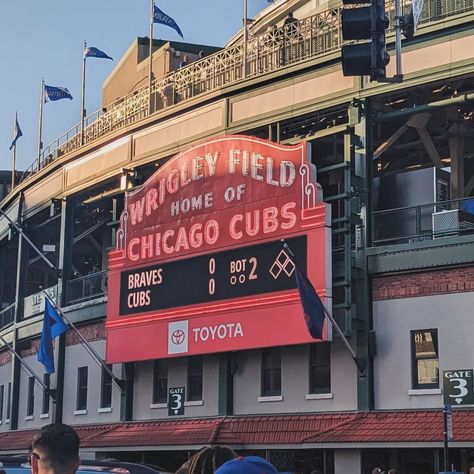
(389, 245)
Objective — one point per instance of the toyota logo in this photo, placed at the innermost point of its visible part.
(178, 337)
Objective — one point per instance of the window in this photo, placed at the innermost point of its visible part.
(81, 400)
(320, 368)
(424, 352)
(106, 388)
(2, 395)
(45, 405)
(9, 399)
(160, 381)
(271, 372)
(30, 408)
(195, 378)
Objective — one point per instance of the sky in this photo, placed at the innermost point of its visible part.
(45, 39)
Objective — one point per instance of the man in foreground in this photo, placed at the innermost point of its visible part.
(55, 450)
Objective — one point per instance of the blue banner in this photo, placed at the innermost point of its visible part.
(313, 308)
(92, 52)
(53, 326)
(18, 134)
(164, 19)
(52, 93)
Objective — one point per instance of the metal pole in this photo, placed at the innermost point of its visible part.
(445, 437)
(245, 39)
(398, 38)
(351, 351)
(83, 91)
(150, 47)
(89, 348)
(35, 248)
(14, 152)
(40, 125)
(27, 367)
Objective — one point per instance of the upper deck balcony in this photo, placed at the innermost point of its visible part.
(275, 51)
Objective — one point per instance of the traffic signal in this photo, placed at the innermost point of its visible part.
(366, 22)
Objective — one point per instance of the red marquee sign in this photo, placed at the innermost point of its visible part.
(199, 265)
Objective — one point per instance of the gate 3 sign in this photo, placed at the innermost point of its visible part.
(199, 265)
(458, 387)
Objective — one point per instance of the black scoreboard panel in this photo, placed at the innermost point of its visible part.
(245, 271)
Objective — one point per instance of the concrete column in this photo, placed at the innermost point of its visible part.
(347, 460)
(21, 282)
(65, 260)
(456, 151)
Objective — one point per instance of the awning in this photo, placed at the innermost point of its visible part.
(349, 427)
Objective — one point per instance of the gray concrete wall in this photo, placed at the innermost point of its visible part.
(295, 383)
(76, 356)
(177, 377)
(452, 315)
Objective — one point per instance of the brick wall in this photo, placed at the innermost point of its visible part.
(5, 357)
(438, 282)
(91, 332)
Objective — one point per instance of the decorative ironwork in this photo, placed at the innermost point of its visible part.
(276, 49)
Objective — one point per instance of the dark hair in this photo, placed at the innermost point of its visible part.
(207, 460)
(57, 447)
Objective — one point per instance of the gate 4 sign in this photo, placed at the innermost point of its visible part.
(458, 387)
(176, 397)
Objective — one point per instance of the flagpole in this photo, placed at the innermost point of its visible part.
(88, 347)
(245, 39)
(83, 91)
(358, 362)
(40, 126)
(27, 367)
(150, 47)
(14, 151)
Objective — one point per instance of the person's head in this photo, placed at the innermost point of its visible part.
(290, 15)
(247, 465)
(55, 449)
(207, 460)
(186, 58)
(471, 468)
(392, 471)
(377, 470)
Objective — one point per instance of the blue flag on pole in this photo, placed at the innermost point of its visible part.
(52, 93)
(18, 133)
(53, 326)
(164, 19)
(313, 307)
(92, 52)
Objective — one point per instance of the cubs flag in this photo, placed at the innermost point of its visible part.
(313, 307)
(92, 52)
(53, 326)
(52, 93)
(18, 133)
(164, 19)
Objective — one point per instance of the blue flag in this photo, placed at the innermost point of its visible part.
(313, 308)
(52, 93)
(164, 19)
(18, 133)
(92, 52)
(53, 326)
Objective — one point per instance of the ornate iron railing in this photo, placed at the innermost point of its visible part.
(85, 288)
(279, 48)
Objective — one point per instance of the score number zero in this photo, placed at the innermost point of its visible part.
(240, 271)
